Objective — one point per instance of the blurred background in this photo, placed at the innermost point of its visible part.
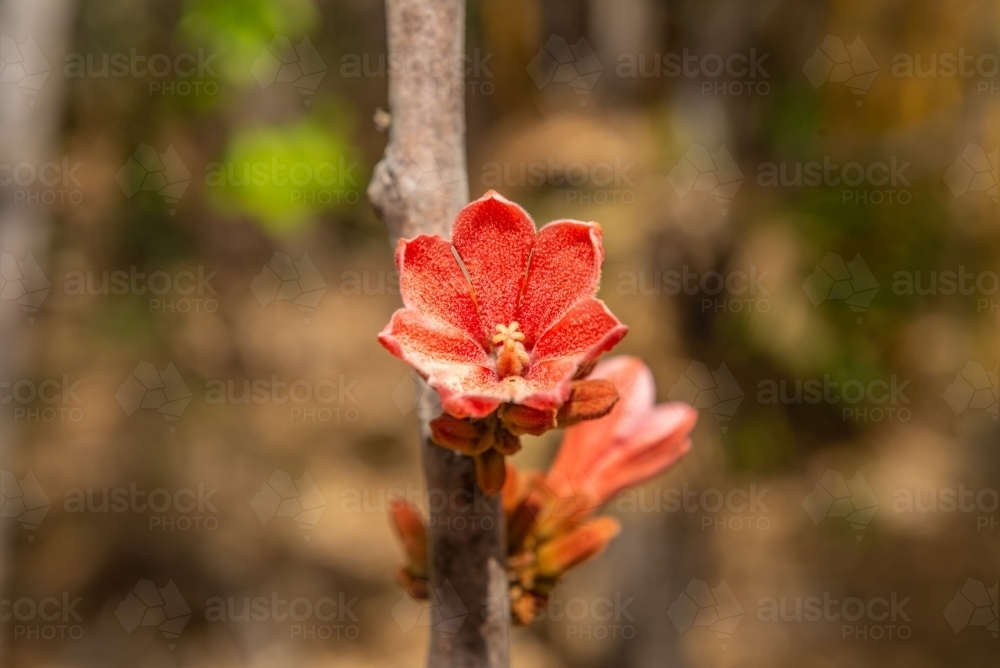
(199, 433)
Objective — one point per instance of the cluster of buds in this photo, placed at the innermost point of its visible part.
(489, 439)
(502, 321)
(552, 518)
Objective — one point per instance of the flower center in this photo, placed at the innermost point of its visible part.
(512, 358)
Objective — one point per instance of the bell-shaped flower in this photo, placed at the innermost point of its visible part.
(636, 441)
(551, 525)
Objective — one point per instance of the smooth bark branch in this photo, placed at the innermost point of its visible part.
(418, 187)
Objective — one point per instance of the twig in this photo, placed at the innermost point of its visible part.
(418, 187)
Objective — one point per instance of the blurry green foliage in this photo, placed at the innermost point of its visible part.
(283, 175)
(238, 30)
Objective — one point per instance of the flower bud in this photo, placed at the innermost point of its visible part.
(469, 437)
(520, 419)
(491, 471)
(570, 549)
(413, 533)
(588, 400)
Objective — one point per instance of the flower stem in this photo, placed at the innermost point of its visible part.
(467, 573)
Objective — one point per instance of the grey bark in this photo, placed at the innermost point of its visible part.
(418, 187)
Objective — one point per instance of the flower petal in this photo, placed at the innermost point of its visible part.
(584, 444)
(584, 332)
(453, 364)
(547, 384)
(581, 447)
(432, 283)
(557, 556)
(493, 237)
(656, 444)
(636, 391)
(634, 442)
(565, 268)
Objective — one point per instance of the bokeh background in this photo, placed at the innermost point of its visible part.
(157, 478)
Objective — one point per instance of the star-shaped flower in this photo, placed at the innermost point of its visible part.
(502, 316)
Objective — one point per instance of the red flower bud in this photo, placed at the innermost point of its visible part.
(413, 533)
(570, 549)
(588, 400)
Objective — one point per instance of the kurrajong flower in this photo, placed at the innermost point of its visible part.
(551, 523)
(503, 322)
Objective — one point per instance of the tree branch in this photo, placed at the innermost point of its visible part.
(418, 187)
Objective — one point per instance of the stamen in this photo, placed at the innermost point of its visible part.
(512, 358)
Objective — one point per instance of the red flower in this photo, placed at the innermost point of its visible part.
(636, 441)
(500, 314)
(551, 525)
